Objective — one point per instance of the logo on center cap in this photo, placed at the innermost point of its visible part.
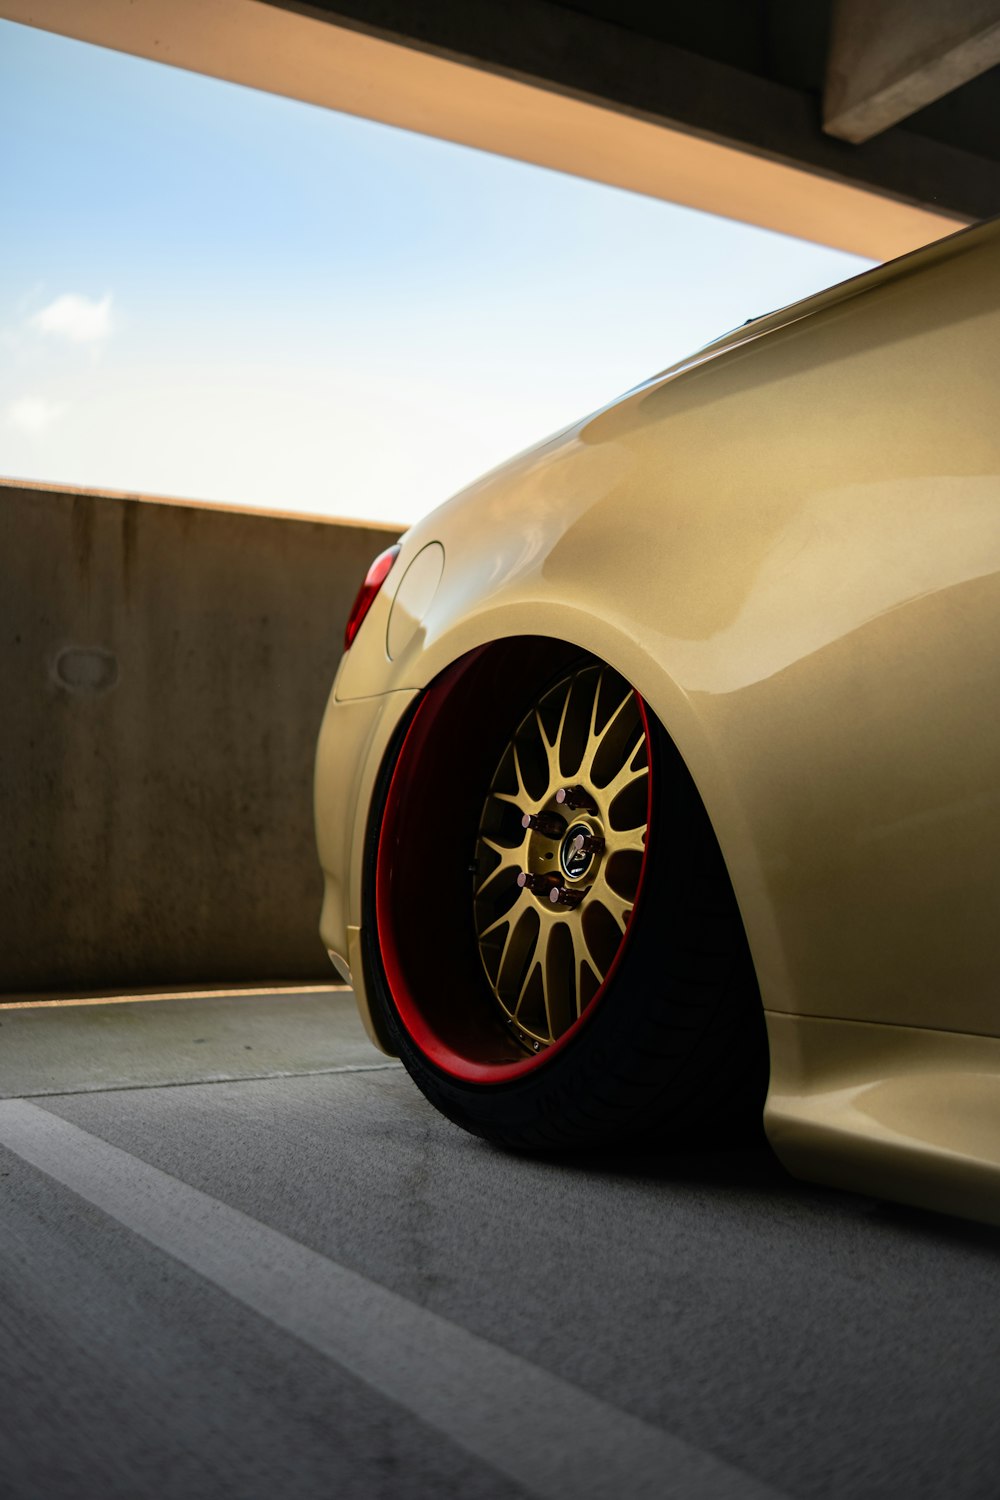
(575, 862)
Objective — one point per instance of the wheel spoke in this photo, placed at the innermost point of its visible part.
(552, 747)
(516, 917)
(631, 840)
(520, 798)
(593, 739)
(598, 735)
(508, 854)
(624, 779)
(509, 919)
(626, 701)
(488, 885)
(581, 958)
(547, 981)
(578, 765)
(534, 967)
(560, 974)
(618, 907)
(509, 863)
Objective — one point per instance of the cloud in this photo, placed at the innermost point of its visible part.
(76, 318)
(32, 415)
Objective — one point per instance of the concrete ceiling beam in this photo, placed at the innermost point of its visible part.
(890, 58)
(612, 107)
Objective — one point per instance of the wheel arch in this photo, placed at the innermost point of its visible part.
(573, 630)
(680, 713)
(691, 960)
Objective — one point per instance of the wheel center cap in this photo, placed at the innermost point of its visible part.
(575, 862)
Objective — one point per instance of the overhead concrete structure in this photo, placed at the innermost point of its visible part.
(890, 58)
(718, 105)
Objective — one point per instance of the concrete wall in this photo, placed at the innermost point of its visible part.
(164, 671)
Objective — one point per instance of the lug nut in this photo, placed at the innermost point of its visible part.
(560, 896)
(576, 798)
(550, 825)
(540, 883)
(589, 843)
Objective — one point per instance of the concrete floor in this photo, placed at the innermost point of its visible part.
(240, 1256)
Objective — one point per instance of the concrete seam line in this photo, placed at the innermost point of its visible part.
(197, 1083)
(553, 1438)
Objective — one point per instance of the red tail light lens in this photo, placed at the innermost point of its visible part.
(374, 579)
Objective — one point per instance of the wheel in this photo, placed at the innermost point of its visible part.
(550, 937)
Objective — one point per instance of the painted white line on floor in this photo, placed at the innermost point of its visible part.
(547, 1435)
(194, 1083)
(75, 1001)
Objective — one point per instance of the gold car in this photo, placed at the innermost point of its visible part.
(660, 781)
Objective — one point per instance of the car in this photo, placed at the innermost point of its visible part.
(658, 790)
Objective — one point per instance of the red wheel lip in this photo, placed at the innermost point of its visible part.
(433, 1046)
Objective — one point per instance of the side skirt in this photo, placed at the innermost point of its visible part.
(892, 1111)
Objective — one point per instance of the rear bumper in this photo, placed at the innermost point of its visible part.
(354, 738)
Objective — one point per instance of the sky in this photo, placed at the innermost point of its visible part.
(212, 293)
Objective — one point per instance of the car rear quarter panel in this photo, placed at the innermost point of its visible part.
(791, 547)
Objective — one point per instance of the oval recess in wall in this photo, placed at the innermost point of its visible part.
(86, 669)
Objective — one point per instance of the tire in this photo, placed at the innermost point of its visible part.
(663, 1040)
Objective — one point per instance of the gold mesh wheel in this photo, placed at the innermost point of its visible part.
(560, 851)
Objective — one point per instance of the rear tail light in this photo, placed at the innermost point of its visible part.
(374, 579)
